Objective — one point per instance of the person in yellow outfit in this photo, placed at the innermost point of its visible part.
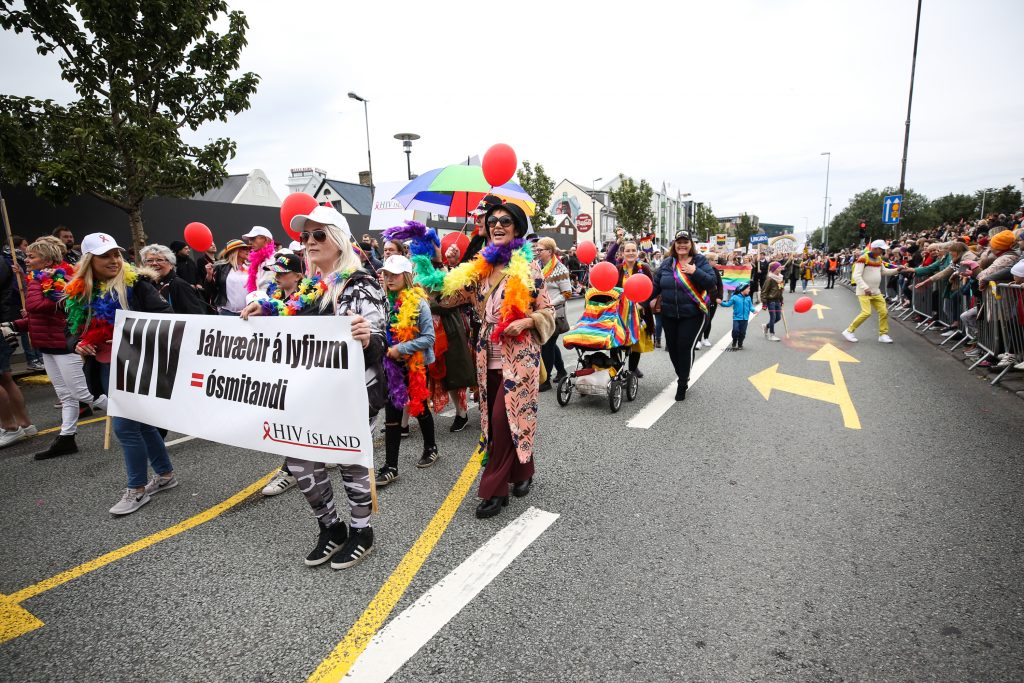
(867, 274)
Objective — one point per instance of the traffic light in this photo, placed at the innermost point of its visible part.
(863, 229)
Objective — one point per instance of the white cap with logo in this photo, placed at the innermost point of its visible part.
(98, 243)
(396, 263)
(324, 215)
(258, 231)
(879, 244)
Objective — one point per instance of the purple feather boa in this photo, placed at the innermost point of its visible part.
(500, 255)
(423, 240)
(398, 392)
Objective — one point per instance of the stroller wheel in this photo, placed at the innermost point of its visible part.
(632, 387)
(615, 395)
(564, 391)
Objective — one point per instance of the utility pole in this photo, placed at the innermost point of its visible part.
(910, 102)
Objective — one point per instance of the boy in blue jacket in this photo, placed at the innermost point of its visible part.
(742, 305)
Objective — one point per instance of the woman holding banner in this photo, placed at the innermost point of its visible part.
(103, 284)
(337, 286)
(632, 266)
(508, 292)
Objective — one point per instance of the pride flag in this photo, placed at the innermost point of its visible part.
(732, 276)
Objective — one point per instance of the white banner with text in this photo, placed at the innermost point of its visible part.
(293, 386)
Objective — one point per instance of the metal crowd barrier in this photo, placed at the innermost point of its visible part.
(1006, 307)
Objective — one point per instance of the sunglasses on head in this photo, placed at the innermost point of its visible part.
(318, 235)
(504, 221)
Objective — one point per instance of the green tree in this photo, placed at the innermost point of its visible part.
(1002, 200)
(952, 207)
(538, 185)
(632, 204)
(143, 71)
(744, 229)
(917, 213)
(704, 222)
(816, 240)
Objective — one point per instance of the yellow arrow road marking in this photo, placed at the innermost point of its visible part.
(813, 291)
(818, 308)
(837, 393)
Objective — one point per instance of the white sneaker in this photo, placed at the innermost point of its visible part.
(29, 431)
(281, 482)
(1019, 366)
(160, 483)
(1006, 360)
(849, 336)
(884, 339)
(764, 328)
(949, 333)
(773, 338)
(7, 437)
(707, 342)
(131, 501)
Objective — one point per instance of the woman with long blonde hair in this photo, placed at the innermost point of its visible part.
(227, 280)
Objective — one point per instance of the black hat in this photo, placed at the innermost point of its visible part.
(518, 217)
(285, 263)
(177, 246)
(684, 235)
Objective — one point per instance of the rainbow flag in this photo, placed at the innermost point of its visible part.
(733, 276)
(609, 320)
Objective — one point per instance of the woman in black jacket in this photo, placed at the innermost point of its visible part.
(178, 292)
(682, 281)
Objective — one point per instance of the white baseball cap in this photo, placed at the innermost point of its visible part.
(258, 231)
(98, 243)
(324, 215)
(1018, 269)
(879, 244)
(396, 263)
(295, 246)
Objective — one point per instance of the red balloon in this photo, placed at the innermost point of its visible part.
(638, 288)
(604, 276)
(803, 304)
(499, 164)
(586, 252)
(198, 236)
(460, 241)
(295, 204)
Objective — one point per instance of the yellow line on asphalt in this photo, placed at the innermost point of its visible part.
(51, 430)
(348, 650)
(14, 620)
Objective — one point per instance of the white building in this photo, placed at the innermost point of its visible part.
(669, 212)
(579, 215)
(346, 197)
(244, 188)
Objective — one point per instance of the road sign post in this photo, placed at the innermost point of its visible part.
(892, 205)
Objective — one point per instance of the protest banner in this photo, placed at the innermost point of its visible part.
(289, 386)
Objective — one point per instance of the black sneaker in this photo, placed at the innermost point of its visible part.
(358, 546)
(460, 423)
(328, 543)
(405, 431)
(429, 457)
(386, 475)
(545, 386)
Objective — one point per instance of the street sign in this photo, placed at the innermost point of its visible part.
(759, 239)
(891, 206)
(584, 222)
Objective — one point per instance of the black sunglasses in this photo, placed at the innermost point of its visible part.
(505, 221)
(318, 235)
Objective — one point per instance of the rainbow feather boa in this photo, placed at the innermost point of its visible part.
(519, 287)
(404, 326)
(309, 291)
(53, 281)
(91, 316)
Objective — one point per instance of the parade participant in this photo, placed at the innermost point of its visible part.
(104, 283)
(13, 413)
(261, 251)
(741, 305)
(771, 299)
(682, 281)
(337, 286)
(760, 274)
(632, 266)
(182, 297)
(715, 297)
(454, 371)
(184, 266)
(410, 340)
(478, 238)
(867, 273)
(558, 283)
(45, 321)
(226, 280)
(832, 266)
(509, 294)
(806, 272)
(791, 271)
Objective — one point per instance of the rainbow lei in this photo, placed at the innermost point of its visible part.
(93, 319)
(310, 289)
(403, 327)
(53, 281)
(519, 287)
(683, 280)
(547, 270)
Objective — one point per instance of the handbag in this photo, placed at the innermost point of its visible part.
(561, 324)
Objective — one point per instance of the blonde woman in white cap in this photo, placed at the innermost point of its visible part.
(341, 287)
(410, 339)
(867, 273)
(226, 279)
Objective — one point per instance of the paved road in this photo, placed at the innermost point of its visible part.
(737, 539)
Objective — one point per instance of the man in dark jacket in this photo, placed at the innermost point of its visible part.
(181, 295)
(184, 266)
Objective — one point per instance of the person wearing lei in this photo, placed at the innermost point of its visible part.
(103, 284)
(337, 286)
(558, 283)
(410, 340)
(508, 291)
(682, 281)
(631, 265)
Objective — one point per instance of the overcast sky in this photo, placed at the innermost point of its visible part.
(731, 101)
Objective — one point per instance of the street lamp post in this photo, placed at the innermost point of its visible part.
(824, 225)
(407, 139)
(686, 216)
(366, 118)
(596, 227)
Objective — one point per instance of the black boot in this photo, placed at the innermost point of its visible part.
(63, 445)
(521, 488)
(545, 386)
(491, 506)
(681, 390)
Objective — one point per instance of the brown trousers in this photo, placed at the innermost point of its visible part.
(503, 464)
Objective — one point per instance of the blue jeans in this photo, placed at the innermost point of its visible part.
(774, 314)
(739, 330)
(31, 355)
(141, 443)
(657, 327)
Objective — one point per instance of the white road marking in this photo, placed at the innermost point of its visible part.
(402, 638)
(181, 440)
(660, 404)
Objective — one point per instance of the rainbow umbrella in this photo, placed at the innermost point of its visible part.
(455, 190)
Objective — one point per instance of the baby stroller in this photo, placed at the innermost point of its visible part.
(609, 326)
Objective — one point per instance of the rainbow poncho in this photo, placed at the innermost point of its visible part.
(733, 276)
(609, 320)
